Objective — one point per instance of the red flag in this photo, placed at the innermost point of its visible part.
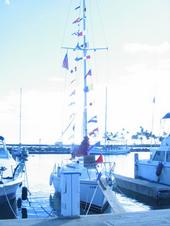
(100, 159)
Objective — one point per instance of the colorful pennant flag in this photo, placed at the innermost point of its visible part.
(78, 7)
(71, 103)
(73, 81)
(78, 33)
(72, 93)
(93, 119)
(89, 73)
(72, 115)
(99, 159)
(65, 62)
(78, 58)
(94, 131)
(77, 20)
(78, 47)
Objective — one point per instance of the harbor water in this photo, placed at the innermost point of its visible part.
(39, 167)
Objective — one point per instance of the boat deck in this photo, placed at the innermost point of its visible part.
(152, 217)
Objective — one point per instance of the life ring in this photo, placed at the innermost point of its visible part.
(159, 169)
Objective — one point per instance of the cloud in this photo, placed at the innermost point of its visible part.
(163, 47)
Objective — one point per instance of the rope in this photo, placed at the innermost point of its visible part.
(92, 199)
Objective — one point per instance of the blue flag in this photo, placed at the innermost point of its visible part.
(65, 62)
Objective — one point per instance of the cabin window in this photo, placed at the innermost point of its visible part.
(159, 156)
(168, 156)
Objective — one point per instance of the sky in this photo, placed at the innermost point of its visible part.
(135, 69)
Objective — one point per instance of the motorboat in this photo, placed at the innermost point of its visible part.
(157, 167)
(11, 177)
(151, 176)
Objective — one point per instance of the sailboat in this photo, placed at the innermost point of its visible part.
(11, 177)
(91, 167)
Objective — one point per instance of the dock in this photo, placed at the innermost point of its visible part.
(110, 196)
(145, 188)
(152, 217)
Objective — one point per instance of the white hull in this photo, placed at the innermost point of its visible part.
(8, 190)
(90, 193)
(11, 176)
(147, 170)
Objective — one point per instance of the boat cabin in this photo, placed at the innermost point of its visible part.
(163, 153)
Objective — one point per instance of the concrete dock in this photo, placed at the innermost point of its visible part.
(151, 218)
(145, 188)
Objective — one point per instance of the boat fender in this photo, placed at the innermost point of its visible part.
(24, 193)
(19, 203)
(51, 179)
(24, 213)
(159, 169)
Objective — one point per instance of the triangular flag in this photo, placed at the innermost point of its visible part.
(93, 119)
(78, 7)
(77, 20)
(65, 62)
(100, 159)
(89, 73)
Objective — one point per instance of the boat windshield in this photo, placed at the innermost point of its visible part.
(159, 156)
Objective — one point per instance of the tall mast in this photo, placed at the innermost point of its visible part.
(84, 48)
(105, 115)
(85, 132)
(20, 116)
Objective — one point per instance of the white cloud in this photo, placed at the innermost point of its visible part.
(163, 47)
(41, 116)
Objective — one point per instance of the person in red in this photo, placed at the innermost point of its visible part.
(84, 147)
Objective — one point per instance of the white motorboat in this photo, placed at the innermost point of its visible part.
(157, 168)
(11, 176)
(151, 180)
